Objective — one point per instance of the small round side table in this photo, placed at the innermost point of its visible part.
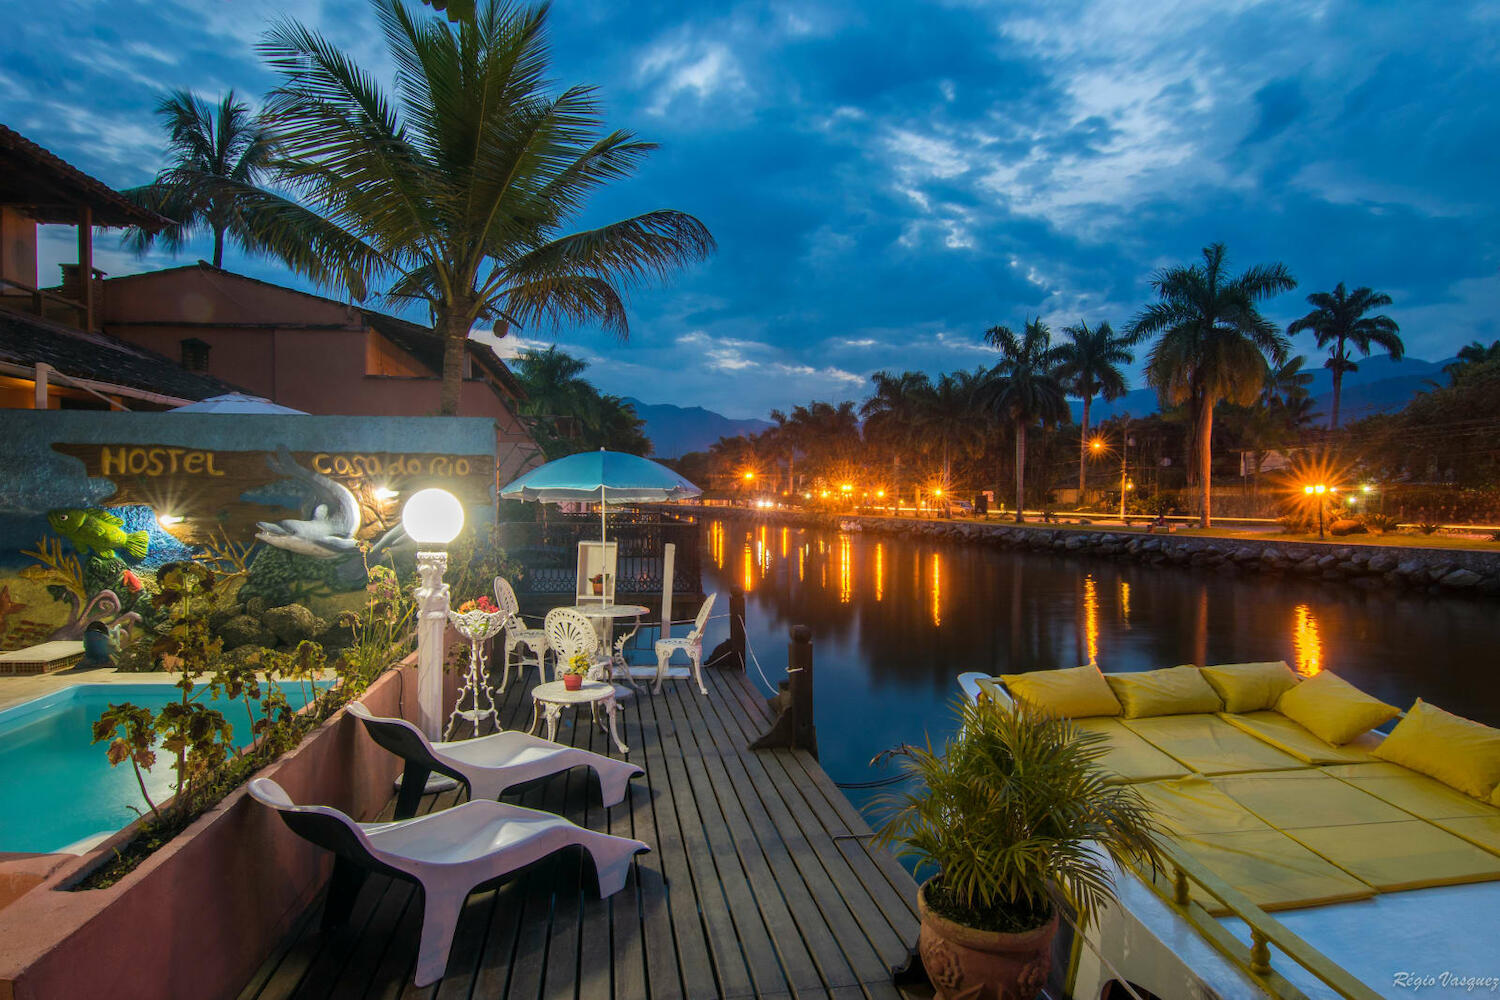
(548, 700)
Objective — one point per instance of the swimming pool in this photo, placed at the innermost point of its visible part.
(56, 787)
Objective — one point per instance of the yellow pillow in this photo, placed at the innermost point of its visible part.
(1169, 691)
(1334, 710)
(1461, 754)
(1495, 797)
(1076, 693)
(1250, 687)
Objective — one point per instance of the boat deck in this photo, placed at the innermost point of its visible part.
(762, 881)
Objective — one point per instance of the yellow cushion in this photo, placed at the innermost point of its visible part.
(1461, 754)
(1495, 797)
(1291, 737)
(1334, 710)
(1169, 691)
(1250, 687)
(1076, 693)
(1130, 758)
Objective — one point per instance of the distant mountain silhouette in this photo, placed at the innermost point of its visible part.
(1379, 386)
(676, 430)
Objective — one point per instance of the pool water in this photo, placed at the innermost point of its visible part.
(57, 788)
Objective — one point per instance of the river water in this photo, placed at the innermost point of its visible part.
(895, 621)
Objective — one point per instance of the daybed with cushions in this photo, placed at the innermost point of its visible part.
(1282, 785)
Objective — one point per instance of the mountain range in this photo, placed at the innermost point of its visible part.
(1380, 385)
(676, 430)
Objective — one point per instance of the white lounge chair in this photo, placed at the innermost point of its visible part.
(486, 766)
(449, 854)
(691, 644)
(517, 635)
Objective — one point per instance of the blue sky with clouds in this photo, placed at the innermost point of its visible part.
(887, 180)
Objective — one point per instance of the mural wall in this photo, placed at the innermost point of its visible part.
(92, 504)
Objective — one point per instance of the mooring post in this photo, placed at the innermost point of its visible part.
(794, 727)
(737, 624)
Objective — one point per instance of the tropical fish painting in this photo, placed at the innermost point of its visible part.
(98, 531)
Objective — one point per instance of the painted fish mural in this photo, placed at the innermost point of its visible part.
(98, 531)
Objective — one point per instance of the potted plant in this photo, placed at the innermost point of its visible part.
(598, 581)
(1017, 818)
(574, 671)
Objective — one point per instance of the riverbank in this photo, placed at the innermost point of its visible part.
(1423, 566)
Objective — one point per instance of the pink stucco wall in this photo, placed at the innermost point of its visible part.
(200, 915)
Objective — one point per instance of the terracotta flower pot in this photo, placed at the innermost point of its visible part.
(983, 965)
(572, 681)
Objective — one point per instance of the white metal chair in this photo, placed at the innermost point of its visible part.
(691, 644)
(486, 766)
(570, 633)
(517, 634)
(449, 854)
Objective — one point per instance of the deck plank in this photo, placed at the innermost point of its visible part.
(761, 882)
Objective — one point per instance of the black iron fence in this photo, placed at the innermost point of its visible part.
(548, 553)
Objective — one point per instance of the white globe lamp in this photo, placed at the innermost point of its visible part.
(432, 517)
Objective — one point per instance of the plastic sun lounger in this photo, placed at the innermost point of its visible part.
(488, 765)
(448, 854)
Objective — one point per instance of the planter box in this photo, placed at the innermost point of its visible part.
(197, 918)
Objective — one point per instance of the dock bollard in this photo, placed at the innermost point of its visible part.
(737, 624)
(794, 727)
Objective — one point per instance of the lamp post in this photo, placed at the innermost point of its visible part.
(432, 517)
(1317, 491)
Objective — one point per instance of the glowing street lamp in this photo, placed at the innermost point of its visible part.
(1317, 490)
(432, 518)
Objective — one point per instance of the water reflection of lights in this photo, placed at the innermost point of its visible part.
(846, 570)
(1307, 644)
(879, 571)
(1091, 619)
(716, 543)
(937, 589)
(785, 532)
(749, 563)
(1124, 603)
(801, 561)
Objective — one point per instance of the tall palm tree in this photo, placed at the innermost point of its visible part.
(215, 152)
(1338, 318)
(1090, 366)
(1027, 387)
(952, 416)
(1213, 343)
(459, 190)
(1471, 354)
(892, 414)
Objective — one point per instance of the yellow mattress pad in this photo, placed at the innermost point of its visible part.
(1292, 738)
(1208, 745)
(1129, 757)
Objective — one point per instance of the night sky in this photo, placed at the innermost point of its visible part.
(887, 180)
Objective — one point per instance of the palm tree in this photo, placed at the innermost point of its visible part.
(1027, 387)
(1338, 318)
(1091, 361)
(952, 415)
(459, 189)
(1471, 354)
(892, 413)
(1213, 343)
(215, 152)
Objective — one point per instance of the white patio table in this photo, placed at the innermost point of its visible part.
(548, 700)
(604, 617)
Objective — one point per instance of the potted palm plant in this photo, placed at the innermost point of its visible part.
(1018, 820)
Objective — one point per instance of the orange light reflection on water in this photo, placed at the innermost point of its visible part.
(937, 589)
(1124, 603)
(1307, 643)
(716, 543)
(749, 565)
(846, 570)
(1091, 619)
(879, 571)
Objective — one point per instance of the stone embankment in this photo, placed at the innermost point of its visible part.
(1438, 571)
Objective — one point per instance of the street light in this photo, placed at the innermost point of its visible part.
(1317, 490)
(432, 518)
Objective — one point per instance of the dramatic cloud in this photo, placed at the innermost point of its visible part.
(887, 181)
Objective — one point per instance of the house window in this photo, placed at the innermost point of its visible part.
(195, 354)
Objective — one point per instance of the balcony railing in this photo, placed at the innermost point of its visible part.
(548, 553)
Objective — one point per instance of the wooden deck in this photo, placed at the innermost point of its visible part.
(762, 882)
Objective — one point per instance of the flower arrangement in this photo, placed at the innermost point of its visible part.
(479, 604)
(574, 671)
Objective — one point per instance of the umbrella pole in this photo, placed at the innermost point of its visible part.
(602, 537)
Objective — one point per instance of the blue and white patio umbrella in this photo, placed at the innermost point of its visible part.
(601, 477)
